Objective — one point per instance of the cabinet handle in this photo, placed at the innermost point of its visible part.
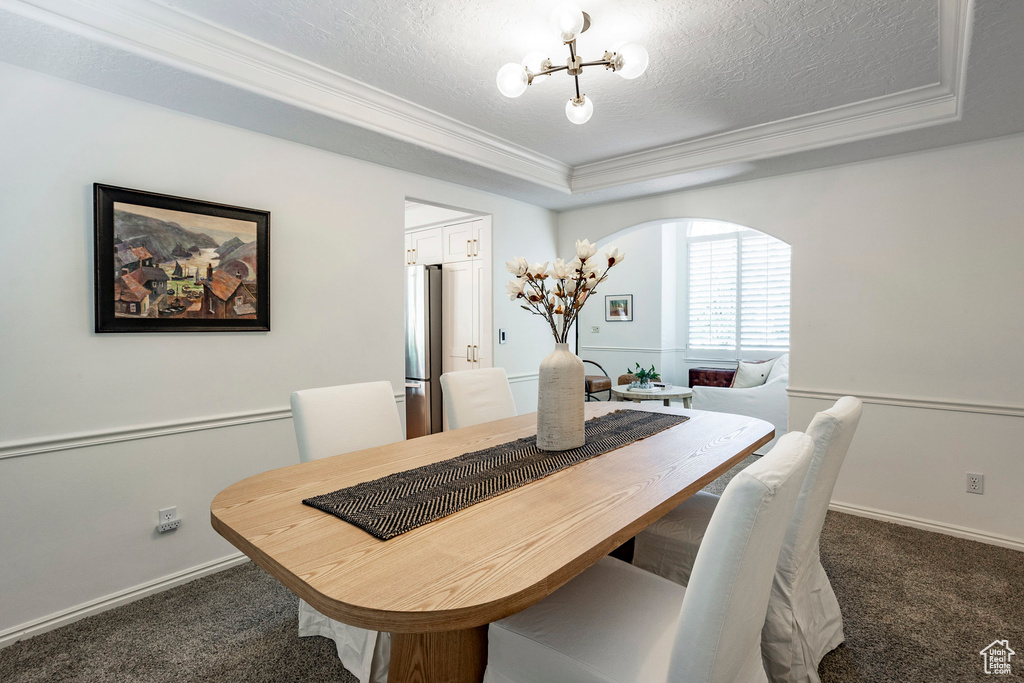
(476, 249)
(467, 248)
(476, 357)
(414, 257)
(468, 360)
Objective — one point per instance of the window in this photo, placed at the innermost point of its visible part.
(738, 291)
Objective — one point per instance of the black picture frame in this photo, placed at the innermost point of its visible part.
(135, 293)
(618, 308)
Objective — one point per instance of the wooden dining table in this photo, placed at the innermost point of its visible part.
(436, 587)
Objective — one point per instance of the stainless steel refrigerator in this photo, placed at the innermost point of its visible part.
(423, 354)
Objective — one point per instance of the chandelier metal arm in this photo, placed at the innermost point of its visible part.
(628, 61)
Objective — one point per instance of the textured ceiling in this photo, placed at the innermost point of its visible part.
(715, 66)
(992, 105)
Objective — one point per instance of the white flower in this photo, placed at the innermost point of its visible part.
(538, 271)
(585, 250)
(517, 266)
(613, 256)
(575, 266)
(592, 273)
(570, 287)
(590, 284)
(559, 270)
(515, 288)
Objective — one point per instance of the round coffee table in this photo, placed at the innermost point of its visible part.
(622, 393)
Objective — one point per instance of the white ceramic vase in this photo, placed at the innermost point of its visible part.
(560, 401)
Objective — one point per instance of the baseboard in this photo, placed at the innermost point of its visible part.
(86, 609)
(930, 525)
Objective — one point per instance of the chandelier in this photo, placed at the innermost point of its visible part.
(628, 60)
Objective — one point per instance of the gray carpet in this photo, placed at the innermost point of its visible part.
(917, 606)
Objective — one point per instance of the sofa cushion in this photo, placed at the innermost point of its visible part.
(780, 369)
(752, 374)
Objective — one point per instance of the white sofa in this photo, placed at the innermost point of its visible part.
(767, 402)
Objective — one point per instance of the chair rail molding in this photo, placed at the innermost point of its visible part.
(632, 349)
(183, 41)
(65, 442)
(912, 402)
(524, 377)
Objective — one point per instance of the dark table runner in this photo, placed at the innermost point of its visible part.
(400, 502)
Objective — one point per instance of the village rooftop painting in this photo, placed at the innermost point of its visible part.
(170, 264)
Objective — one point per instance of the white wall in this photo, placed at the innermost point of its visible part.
(907, 284)
(79, 488)
(619, 345)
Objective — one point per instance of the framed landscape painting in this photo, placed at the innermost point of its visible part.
(618, 307)
(170, 264)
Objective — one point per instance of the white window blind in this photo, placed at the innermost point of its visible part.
(738, 292)
(713, 294)
(764, 295)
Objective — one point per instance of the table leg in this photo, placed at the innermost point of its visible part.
(687, 401)
(439, 656)
(667, 402)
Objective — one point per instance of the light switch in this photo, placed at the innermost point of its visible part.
(595, 330)
(501, 336)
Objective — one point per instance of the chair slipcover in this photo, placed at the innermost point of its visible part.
(803, 621)
(615, 622)
(331, 421)
(472, 397)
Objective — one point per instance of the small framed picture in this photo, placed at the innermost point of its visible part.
(170, 264)
(618, 307)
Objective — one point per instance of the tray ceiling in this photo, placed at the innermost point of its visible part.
(710, 61)
(736, 88)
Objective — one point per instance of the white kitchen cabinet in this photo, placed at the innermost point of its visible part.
(466, 309)
(424, 247)
(467, 240)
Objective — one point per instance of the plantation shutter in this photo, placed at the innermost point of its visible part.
(713, 294)
(764, 316)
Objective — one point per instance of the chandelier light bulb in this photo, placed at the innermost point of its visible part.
(631, 60)
(567, 20)
(535, 62)
(512, 80)
(579, 113)
(628, 60)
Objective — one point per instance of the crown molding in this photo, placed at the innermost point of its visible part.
(184, 41)
(187, 42)
(930, 105)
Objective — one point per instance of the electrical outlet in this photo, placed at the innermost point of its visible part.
(975, 483)
(501, 336)
(594, 329)
(168, 520)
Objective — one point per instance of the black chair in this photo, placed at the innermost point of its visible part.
(596, 384)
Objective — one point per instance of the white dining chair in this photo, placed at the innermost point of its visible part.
(617, 623)
(332, 421)
(803, 621)
(472, 397)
